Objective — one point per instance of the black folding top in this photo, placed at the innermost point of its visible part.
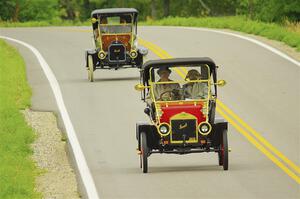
(113, 11)
(179, 61)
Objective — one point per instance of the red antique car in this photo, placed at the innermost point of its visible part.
(180, 96)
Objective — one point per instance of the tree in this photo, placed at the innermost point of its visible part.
(166, 8)
(153, 9)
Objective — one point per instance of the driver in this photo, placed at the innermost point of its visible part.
(194, 90)
(166, 91)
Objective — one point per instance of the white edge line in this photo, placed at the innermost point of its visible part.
(274, 50)
(77, 151)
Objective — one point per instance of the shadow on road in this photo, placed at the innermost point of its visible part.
(184, 169)
(116, 79)
(176, 169)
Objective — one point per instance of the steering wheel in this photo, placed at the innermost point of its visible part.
(170, 97)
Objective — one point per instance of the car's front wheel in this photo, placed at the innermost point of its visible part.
(144, 152)
(223, 151)
(139, 60)
(90, 68)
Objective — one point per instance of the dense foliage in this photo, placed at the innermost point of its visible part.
(264, 10)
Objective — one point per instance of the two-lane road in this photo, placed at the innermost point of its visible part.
(263, 89)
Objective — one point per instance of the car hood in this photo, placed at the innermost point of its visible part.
(171, 110)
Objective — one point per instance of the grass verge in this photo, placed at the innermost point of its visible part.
(17, 169)
(290, 34)
(53, 22)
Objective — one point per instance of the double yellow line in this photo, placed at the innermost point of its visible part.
(290, 168)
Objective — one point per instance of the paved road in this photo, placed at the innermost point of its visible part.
(263, 89)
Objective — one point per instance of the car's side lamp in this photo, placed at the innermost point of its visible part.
(221, 83)
(139, 87)
(94, 20)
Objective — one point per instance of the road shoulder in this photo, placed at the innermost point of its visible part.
(58, 179)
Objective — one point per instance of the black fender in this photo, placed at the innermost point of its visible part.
(139, 60)
(151, 134)
(218, 128)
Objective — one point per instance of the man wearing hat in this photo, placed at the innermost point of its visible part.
(165, 91)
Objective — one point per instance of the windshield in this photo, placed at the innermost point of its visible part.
(115, 24)
(176, 83)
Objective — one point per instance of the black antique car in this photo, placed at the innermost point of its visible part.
(115, 38)
(180, 96)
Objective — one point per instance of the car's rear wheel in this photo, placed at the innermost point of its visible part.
(223, 151)
(220, 156)
(90, 68)
(144, 152)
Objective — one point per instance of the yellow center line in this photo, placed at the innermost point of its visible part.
(160, 52)
(259, 137)
(260, 147)
(163, 54)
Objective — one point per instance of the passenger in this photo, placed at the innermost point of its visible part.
(166, 91)
(125, 26)
(103, 21)
(194, 90)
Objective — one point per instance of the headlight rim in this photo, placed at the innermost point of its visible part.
(133, 51)
(204, 123)
(164, 124)
(101, 52)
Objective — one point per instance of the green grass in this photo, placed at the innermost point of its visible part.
(17, 169)
(53, 22)
(273, 31)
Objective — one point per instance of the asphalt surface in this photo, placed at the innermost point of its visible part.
(263, 89)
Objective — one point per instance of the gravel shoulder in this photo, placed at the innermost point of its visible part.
(57, 179)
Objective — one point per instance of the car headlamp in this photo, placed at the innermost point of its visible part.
(133, 54)
(164, 129)
(143, 50)
(101, 55)
(204, 128)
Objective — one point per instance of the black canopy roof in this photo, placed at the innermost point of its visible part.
(179, 61)
(113, 11)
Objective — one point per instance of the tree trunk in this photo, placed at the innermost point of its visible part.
(205, 7)
(250, 2)
(153, 9)
(86, 7)
(166, 8)
(16, 12)
(70, 10)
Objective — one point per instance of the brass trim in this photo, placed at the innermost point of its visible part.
(161, 134)
(101, 51)
(210, 128)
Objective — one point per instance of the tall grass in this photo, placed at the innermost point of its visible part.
(289, 33)
(17, 169)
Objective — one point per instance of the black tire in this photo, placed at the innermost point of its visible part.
(223, 152)
(220, 157)
(90, 68)
(139, 60)
(144, 152)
